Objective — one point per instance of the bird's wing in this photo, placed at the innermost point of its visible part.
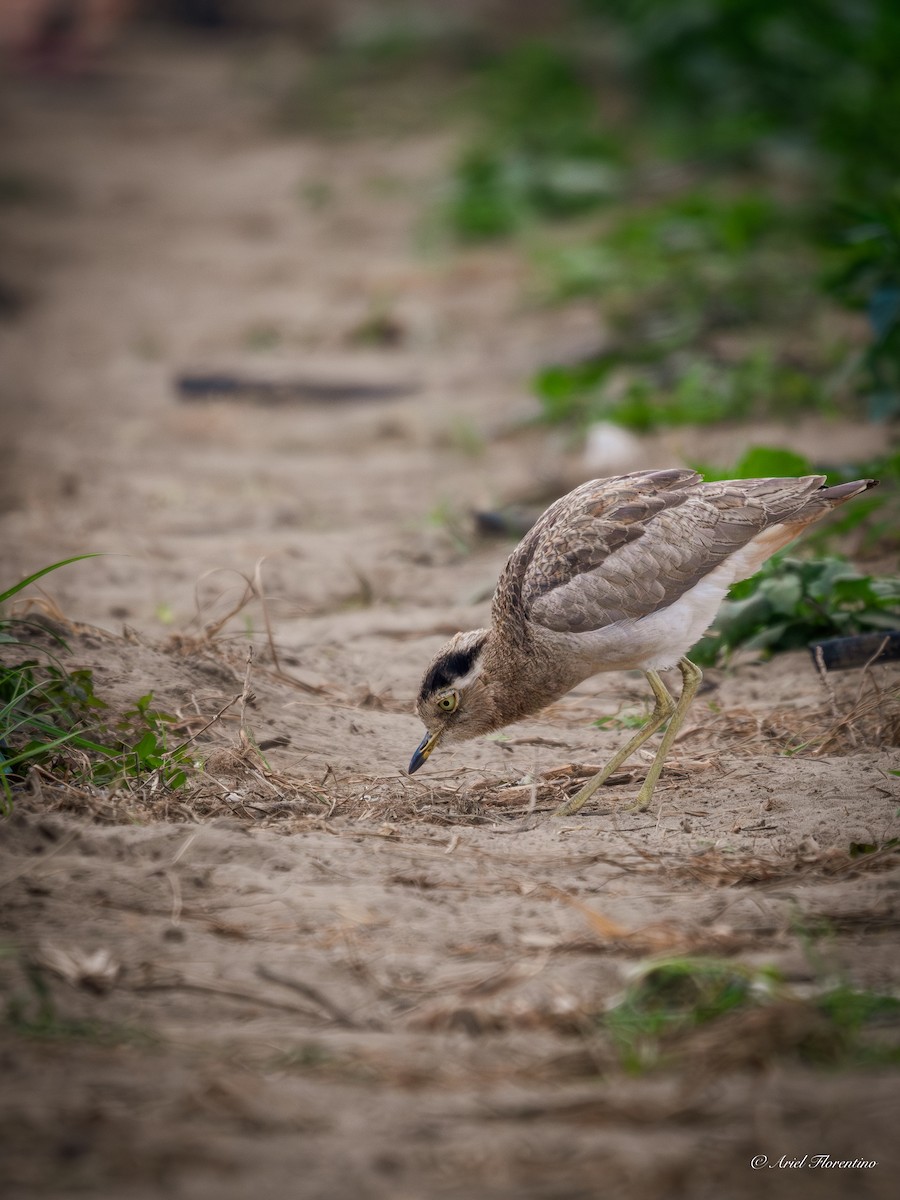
(620, 549)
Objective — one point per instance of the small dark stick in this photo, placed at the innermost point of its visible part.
(273, 393)
(842, 653)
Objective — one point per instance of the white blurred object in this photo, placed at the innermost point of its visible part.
(96, 970)
(610, 449)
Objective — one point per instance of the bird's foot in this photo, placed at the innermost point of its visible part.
(570, 807)
(642, 803)
(575, 803)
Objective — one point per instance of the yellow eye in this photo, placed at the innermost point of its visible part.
(449, 702)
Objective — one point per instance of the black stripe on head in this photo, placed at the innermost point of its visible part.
(452, 665)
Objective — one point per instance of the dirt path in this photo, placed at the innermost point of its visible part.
(335, 980)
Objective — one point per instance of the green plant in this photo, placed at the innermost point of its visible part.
(142, 748)
(820, 76)
(760, 462)
(801, 103)
(540, 151)
(447, 516)
(853, 1013)
(264, 335)
(52, 717)
(700, 243)
(688, 265)
(651, 1024)
(464, 436)
(867, 276)
(632, 389)
(41, 707)
(671, 277)
(671, 996)
(807, 91)
(849, 1012)
(791, 602)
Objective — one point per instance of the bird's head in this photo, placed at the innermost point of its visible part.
(457, 698)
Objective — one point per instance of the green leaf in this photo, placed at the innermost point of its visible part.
(34, 749)
(23, 583)
(768, 637)
(889, 621)
(764, 462)
(783, 593)
(857, 849)
(858, 592)
(887, 590)
(147, 747)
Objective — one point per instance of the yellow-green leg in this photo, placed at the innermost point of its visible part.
(664, 709)
(691, 676)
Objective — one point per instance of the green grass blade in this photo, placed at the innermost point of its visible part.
(53, 732)
(4, 596)
(5, 763)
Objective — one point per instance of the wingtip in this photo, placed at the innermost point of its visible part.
(846, 491)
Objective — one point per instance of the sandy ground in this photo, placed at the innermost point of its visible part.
(330, 979)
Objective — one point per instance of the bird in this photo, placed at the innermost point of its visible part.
(621, 574)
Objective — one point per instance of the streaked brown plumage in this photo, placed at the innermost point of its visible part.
(621, 573)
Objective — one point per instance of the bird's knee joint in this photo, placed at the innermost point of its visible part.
(690, 673)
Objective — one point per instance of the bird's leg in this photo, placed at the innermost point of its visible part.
(691, 676)
(664, 708)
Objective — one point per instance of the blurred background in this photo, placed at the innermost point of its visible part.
(313, 263)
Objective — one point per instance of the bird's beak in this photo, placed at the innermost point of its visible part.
(424, 748)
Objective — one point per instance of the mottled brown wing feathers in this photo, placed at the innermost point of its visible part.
(621, 548)
(580, 531)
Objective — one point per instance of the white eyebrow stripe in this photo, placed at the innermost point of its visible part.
(470, 676)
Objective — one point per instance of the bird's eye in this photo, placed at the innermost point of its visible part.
(449, 702)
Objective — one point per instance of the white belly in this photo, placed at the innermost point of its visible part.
(669, 634)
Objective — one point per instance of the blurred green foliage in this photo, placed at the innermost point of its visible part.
(819, 77)
(674, 995)
(643, 391)
(812, 85)
(717, 141)
(761, 462)
(670, 998)
(700, 261)
(540, 152)
(867, 276)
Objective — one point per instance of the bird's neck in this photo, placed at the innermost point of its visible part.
(527, 675)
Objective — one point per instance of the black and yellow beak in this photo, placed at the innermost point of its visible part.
(424, 748)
